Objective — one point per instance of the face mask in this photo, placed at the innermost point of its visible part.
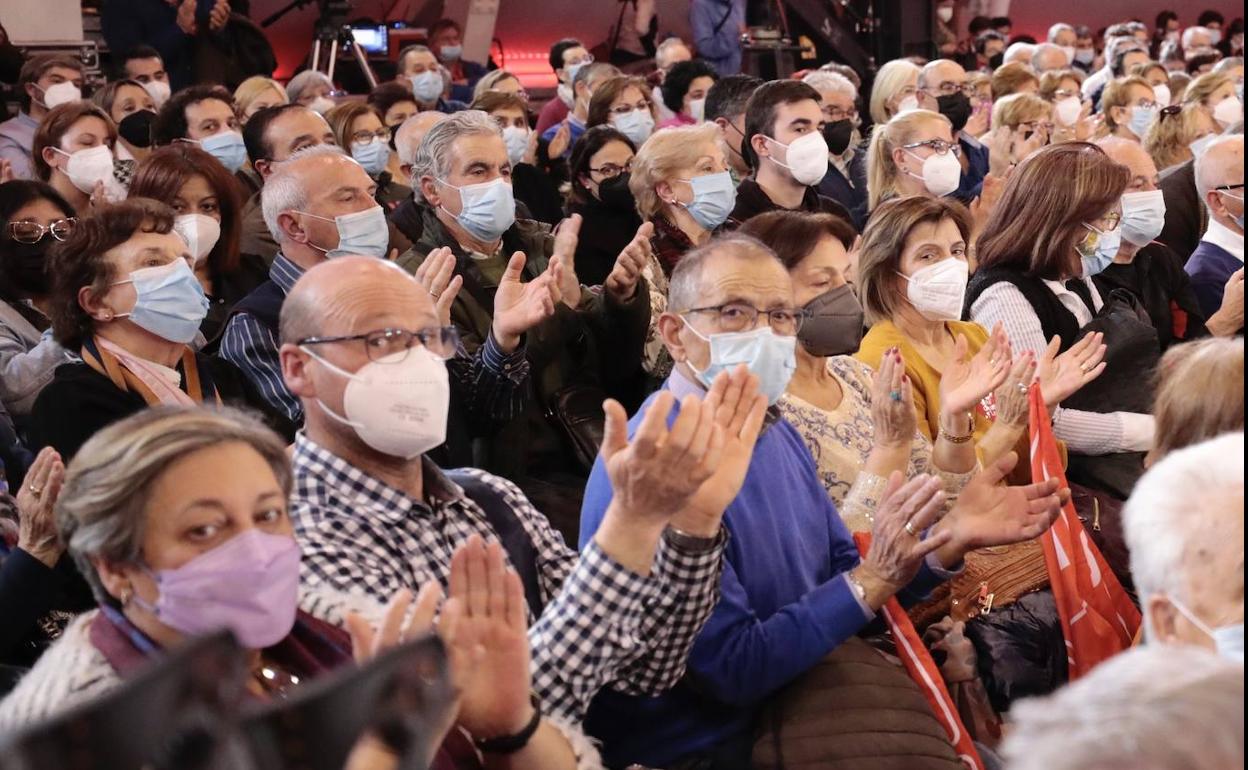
(614, 192)
(170, 303)
(566, 95)
(938, 291)
(1085, 55)
(570, 73)
(1228, 640)
(1069, 50)
(87, 167)
(321, 105)
(248, 584)
(200, 231)
(364, 233)
(956, 107)
(944, 14)
(372, 155)
(637, 125)
(23, 263)
(697, 109)
(451, 53)
(397, 406)
(907, 104)
(136, 128)
(1102, 256)
(714, 197)
(941, 173)
(1215, 36)
(838, 135)
(1198, 147)
(1143, 216)
(1173, 36)
(1239, 220)
(769, 356)
(1068, 110)
(807, 158)
(487, 209)
(159, 91)
(427, 86)
(1228, 112)
(996, 60)
(517, 141)
(834, 324)
(61, 93)
(1141, 119)
(228, 148)
(1161, 93)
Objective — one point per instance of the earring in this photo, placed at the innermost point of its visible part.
(127, 594)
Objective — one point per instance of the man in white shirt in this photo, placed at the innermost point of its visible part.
(1217, 265)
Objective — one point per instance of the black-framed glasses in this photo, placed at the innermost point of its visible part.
(834, 114)
(741, 316)
(33, 232)
(611, 170)
(364, 137)
(1239, 186)
(442, 341)
(949, 88)
(938, 146)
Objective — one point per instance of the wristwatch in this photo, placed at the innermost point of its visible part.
(692, 543)
(510, 744)
(857, 587)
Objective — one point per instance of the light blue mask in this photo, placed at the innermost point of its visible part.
(1102, 256)
(487, 209)
(572, 69)
(228, 148)
(1229, 640)
(637, 125)
(452, 53)
(364, 233)
(170, 302)
(1141, 119)
(1239, 220)
(372, 155)
(769, 356)
(427, 86)
(714, 196)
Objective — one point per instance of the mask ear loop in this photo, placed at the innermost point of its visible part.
(339, 371)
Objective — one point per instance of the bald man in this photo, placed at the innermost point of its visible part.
(1146, 268)
(363, 347)
(1217, 264)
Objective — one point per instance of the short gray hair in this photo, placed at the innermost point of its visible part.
(1026, 49)
(1164, 708)
(408, 51)
(595, 71)
(100, 511)
(1192, 32)
(287, 191)
(433, 156)
(821, 80)
(1209, 172)
(305, 80)
(684, 290)
(1042, 49)
(660, 53)
(1061, 26)
(1162, 519)
(403, 144)
(1229, 63)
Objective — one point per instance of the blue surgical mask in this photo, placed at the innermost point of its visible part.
(427, 86)
(170, 301)
(1239, 220)
(486, 209)
(714, 196)
(770, 357)
(364, 233)
(1102, 256)
(1229, 640)
(572, 69)
(637, 125)
(517, 141)
(228, 148)
(451, 53)
(1141, 119)
(372, 155)
(1143, 216)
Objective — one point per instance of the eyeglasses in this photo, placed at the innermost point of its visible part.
(1147, 104)
(1239, 186)
(949, 88)
(1064, 93)
(624, 109)
(939, 146)
(833, 114)
(611, 170)
(364, 137)
(1110, 222)
(33, 232)
(1038, 125)
(442, 341)
(739, 317)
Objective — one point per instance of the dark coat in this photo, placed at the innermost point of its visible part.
(1186, 217)
(752, 201)
(605, 231)
(1157, 279)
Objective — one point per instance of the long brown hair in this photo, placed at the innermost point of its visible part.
(161, 176)
(1040, 218)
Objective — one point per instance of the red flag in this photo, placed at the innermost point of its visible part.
(922, 669)
(1098, 618)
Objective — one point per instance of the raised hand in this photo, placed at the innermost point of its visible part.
(368, 642)
(979, 121)
(219, 15)
(530, 150)
(1012, 404)
(563, 260)
(892, 402)
(965, 382)
(1061, 376)
(1229, 318)
(559, 142)
(983, 206)
(437, 275)
(36, 532)
(186, 17)
(898, 547)
(622, 282)
(520, 306)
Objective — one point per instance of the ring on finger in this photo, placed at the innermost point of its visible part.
(895, 395)
(1022, 388)
(910, 529)
(34, 490)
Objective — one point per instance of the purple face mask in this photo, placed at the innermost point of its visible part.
(249, 584)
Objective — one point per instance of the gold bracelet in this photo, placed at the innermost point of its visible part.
(952, 439)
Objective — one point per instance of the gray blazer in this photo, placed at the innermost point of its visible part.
(27, 360)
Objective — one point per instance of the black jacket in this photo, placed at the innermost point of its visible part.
(752, 201)
(1157, 279)
(605, 231)
(1186, 218)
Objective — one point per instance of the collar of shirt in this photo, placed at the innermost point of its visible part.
(1225, 238)
(25, 119)
(1074, 303)
(682, 386)
(284, 273)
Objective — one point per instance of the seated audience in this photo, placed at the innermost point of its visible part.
(601, 170)
(258, 93)
(407, 217)
(74, 152)
(313, 90)
(1016, 78)
(1130, 107)
(837, 98)
(912, 154)
(1026, 115)
(684, 90)
(395, 104)
(132, 110)
(427, 81)
(502, 81)
(624, 104)
(204, 115)
(46, 81)
(725, 107)
(1216, 266)
(1200, 394)
(446, 43)
(559, 139)
(358, 129)
(943, 88)
(895, 90)
(537, 190)
(144, 65)
(567, 57)
(1182, 130)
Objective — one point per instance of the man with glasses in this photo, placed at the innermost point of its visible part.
(567, 56)
(1217, 265)
(943, 88)
(845, 181)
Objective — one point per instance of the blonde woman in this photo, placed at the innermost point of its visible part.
(912, 154)
(1027, 113)
(1182, 129)
(1199, 394)
(499, 80)
(1072, 114)
(1130, 108)
(1014, 78)
(896, 90)
(257, 93)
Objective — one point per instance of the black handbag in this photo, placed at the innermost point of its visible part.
(577, 410)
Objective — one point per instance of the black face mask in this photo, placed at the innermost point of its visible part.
(614, 192)
(136, 128)
(996, 61)
(956, 107)
(22, 265)
(838, 135)
(834, 326)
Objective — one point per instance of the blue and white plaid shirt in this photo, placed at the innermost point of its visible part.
(602, 624)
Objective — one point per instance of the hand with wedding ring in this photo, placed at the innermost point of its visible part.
(1012, 406)
(437, 275)
(892, 403)
(1061, 376)
(36, 500)
(968, 379)
(898, 547)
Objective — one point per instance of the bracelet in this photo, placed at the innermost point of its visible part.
(510, 744)
(952, 439)
(859, 590)
(690, 542)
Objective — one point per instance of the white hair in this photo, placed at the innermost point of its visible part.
(305, 80)
(285, 190)
(1044, 48)
(831, 81)
(1229, 63)
(1019, 52)
(433, 156)
(1210, 173)
(421, 121)
(1161, 708)
(1166, 520)
(1057, 29)
(1192, 32)
(665, 48)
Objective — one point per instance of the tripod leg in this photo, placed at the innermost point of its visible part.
(362, 60)
(333, 60)
(316, 55)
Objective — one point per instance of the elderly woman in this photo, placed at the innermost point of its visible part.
(1057, 226)
(358, 128)
(125, 299)
(895, 90)
(684, 91)
(1130, 107)
(132, 110)
(600, 168)
(208, 216)
(1182, 130)
(1072, 116)
(1199, 394)
(177, 518)
(624, 104)
(501, 81)
(313, 90)
(682, 186)
(534, 186)
(1014, 78)
(1025, 113)
(73, 152)
(257, 93)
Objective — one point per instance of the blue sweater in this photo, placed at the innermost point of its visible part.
(785, 604)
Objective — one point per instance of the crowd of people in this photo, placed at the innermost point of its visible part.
(847, 419)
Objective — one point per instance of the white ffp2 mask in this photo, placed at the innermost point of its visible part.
(938, 291)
